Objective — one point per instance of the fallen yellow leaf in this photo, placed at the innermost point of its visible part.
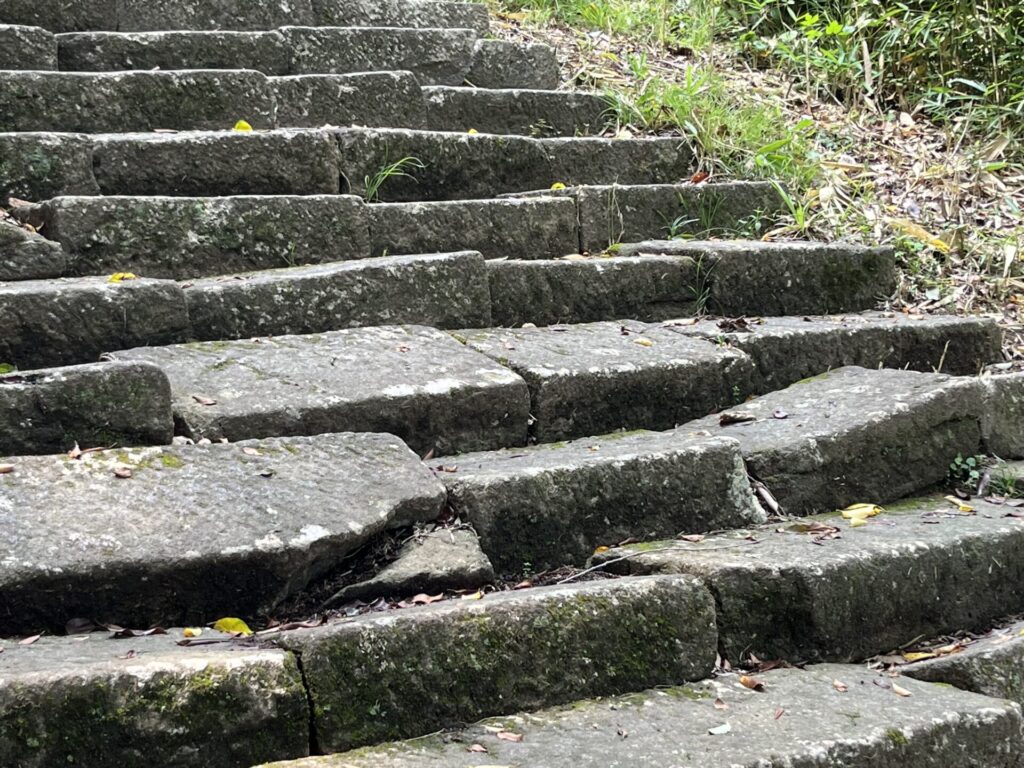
(472, 131)
(861, 511)
(599, 550)
(558, 185)
(918, 232)
(960, 505)
(919, 656)
(193, 631)
(645, 342)
(120, 277)
(243, 126)
(232, 626)
(857, 522)
(900, 691)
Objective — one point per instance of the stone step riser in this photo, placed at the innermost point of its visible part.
(23, 47)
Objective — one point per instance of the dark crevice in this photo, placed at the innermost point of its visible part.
(314, 741)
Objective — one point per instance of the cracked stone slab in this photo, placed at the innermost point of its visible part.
(1004, 419)
(515, 111)
(550, 505)
(26, 47)
(187, 237)
(866, 726)
(595, 378)
(66, 700)
(854, 435)
(373, 678)
(61, 322)
(217, 163)
(134, 101)
(584, 290)
(196, 532)
(747, 277)
(50, 410)
(363, 98)
(25, 255)
(444, 290)
(38, 166)
(787, 593)
(789, 349)
(504, 64)
(400, 13)
(499, 229)
(414, 382)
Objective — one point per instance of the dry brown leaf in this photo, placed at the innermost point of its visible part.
(203, 400)
(752, 683)
(29, 640)
(425, 599)
(719, 704)
(510, 736)
(476, 748)
(6, 469)
(122, 472)
(840, 686)
(899, 691)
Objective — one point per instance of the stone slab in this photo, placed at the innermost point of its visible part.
(440, 290)
(375, 678)
(95, 701)
(590, 160)
(786, 594)
(187, 237)
(25, 255)
(60, 15)
(196, 164)
(61, 322)
(25, 47)
(196, 532)
(785, 278)
(789, 349)
(595, 378)
(246, 15)
(855, 435)
(514, 111)
(542, 228)
(1004, 422)
(37, 166)
(134, 101)
(417, 383)
(867, 726)
(400, 13)
(504, 64)
(586, 290)
(364, 98)
(551, 505)
(103, 404)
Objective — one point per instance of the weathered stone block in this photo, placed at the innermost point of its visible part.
(440, 290)
(146, 701)
(25, 255)
(133, 101)
(785, 594)
(196, 532)
(217, 163)
(364, 98)
(186, 237)
(376, 678)
(23, 47)
(49, 411)
(596, 378)
(61, 15)
(60, 322)
(417, 383)
(587, 290)
(1004, 416)
(592, 160)
(399, 13)
(528, 112)
(504, 64)
(149, 15)
(855, 435)
(551, 505)
(536, 228)
(37, 166)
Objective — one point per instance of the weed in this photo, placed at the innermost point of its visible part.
(965, 472)
(397, 169)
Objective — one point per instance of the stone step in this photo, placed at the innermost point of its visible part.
(414, 382)
(187, 534)
(1003, 434)
(150, 15)
(104, 404)
(527, 112)
(797, 718)
(547, 506)
(25, 255)
(26, 47)
(505, 64)
(786, 592)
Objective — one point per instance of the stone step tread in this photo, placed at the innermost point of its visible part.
(141, 536)
(811, 589)
(798, 718)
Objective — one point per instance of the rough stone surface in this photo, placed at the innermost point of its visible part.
(134, 101)
(112, 51)
(789, 349)
(527, 112)
(430, 563)
(400, 13)
(378, 678)
(51, 410)
(553, 504)
(60, 322)
(37, 166)
(595, 378)
(503, 64)
(785, 278)
(417, 383)
(90, 700)
(364, 98)
(587, 290)
(867, 726)
(182, 237)
(217, 163)
(25, 255)
(786, 594)
(592, 160)
(1004, 418)
(150, 15)
(855, 435)
(440, 290)
(196, 532)
(60, 15)
(499, 229)
(24, 47)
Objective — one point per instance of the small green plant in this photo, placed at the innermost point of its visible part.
(965, 472)
(397, 169)
(7, 368)
(1006, 483)
(702, 286)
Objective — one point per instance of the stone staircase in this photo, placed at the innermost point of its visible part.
(424, 304)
